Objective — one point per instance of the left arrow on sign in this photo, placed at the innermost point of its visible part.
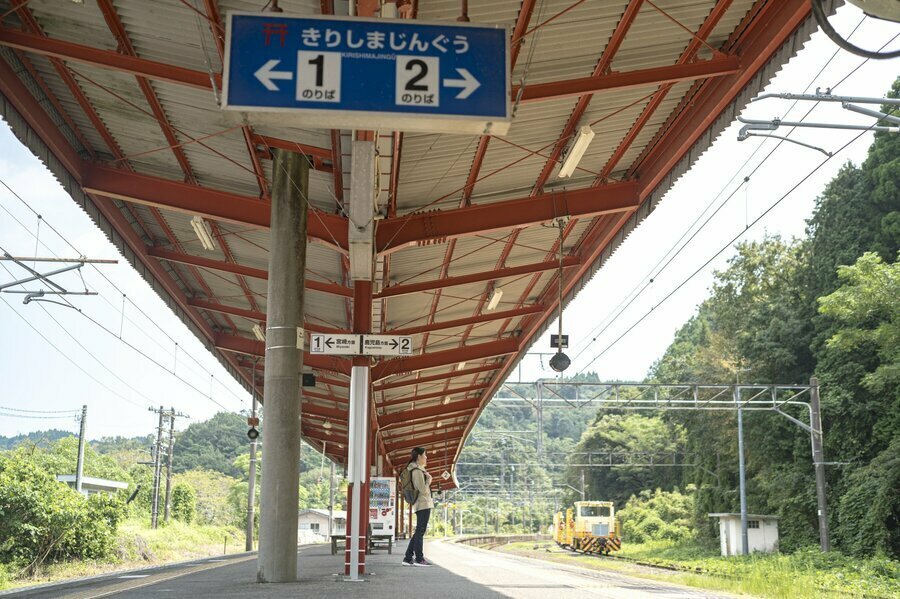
(266, 75)
(468, 83)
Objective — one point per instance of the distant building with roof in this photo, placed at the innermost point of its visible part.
(91, 486)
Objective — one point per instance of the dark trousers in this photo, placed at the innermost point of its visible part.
(418, 538)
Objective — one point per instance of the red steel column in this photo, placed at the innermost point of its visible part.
(362, 323)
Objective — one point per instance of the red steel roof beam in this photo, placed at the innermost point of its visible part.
(209, 203)
(252, 347)
(125, 63)
(444, 358)
(18, 94)
(118, 30)
(427, 396)
(503, 216)
(28, 19)
(669, 75)
(407, 288)
(756, 45)
(759, 40)
(522, 20)
(461, 322)
(603, 66)
(314, 395)
(438, 377)
(248, 271)
(684, 61)
(419, 442)
(432, 411)
(256, 315)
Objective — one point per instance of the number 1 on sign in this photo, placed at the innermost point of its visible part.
(318, 76)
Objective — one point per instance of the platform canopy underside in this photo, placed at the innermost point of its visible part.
(119, 98)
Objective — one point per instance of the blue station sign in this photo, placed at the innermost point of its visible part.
(334, 72)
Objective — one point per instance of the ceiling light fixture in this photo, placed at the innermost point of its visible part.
(461, 366)
(446, 400)
(258, 332)
(495, 299)
(326, 425)
(576, 152)
(204, 233)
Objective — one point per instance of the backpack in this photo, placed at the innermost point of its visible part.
(410, 493)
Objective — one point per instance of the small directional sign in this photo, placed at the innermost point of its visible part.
(356, 345)
(342, 345)
(374, 73)
(387, 345)
(554, 341)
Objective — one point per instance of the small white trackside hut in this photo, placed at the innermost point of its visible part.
(762, 533)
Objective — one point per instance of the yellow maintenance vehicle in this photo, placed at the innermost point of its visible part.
(589, 527)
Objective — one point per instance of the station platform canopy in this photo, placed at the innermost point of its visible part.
(120, 99)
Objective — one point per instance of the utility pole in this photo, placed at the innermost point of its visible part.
(742, 473)
(582, 484)
(79, 466)
(818, 433)
(331, 502)
(157, 467)
(251, 484)
(171, 454)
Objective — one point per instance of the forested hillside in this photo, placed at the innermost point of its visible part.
(783, 311)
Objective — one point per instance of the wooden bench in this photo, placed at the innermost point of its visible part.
(334, 540)
(373, 541)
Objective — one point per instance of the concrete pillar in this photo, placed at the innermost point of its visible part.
(277, 561)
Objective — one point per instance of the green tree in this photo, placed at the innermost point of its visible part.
(212, 490)
(212, 444)
(624, 438)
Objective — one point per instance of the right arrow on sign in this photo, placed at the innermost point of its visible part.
(468, 83)
(266, 75)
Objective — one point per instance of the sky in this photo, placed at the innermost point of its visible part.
(120, 362)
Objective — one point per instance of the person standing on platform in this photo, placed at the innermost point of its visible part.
(416, 483)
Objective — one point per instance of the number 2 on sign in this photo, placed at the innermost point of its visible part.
(418, 81)
(318, 76)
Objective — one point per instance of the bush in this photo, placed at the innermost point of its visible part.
(869, 511)
(42, 520)
(184, 503)
(657, 516)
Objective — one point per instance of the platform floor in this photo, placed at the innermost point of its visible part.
(459, 572)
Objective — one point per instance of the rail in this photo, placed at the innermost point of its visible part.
(501, 539)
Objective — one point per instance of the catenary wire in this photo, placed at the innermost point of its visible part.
(725, 247)
(114, 286)
(650, 276)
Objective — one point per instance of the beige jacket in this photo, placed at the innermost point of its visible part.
(422, 482)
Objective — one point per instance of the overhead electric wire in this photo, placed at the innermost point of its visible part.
(649, 278)
(725, 247)
(116, 287)
(69, 358)
(635, 291)
(73, 412)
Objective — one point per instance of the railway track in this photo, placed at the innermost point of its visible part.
(553, 548)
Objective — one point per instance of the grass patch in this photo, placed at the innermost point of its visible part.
(805, 574)
(139, 546)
